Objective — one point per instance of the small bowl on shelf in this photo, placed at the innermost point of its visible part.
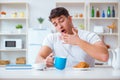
(3, 14)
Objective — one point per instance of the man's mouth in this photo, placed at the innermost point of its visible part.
(63, 31)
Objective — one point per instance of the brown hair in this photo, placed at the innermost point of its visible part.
(56, 12)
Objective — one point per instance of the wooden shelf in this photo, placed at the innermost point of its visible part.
(75, 18)
(10, 18)
(115, 2)
(12, 34)
(108, 34)
(70, 3)
(15, 3)
(99, 18)
(10, 50)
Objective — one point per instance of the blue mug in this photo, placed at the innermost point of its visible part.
(60, 62)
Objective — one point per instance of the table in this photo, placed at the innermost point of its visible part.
(97, 73)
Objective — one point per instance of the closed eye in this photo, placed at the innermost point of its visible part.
(61, 19)
(55, 24)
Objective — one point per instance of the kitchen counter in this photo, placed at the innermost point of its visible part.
(97, 73)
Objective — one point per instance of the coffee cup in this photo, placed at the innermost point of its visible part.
(60, 62)
(39, 66)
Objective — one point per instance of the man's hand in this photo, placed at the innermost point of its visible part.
(71, 39)
(50, 60)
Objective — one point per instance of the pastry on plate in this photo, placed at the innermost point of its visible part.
(81, 65)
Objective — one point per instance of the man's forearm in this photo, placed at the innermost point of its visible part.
(98, 52)
(39, 59)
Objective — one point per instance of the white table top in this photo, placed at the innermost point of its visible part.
(67, 74)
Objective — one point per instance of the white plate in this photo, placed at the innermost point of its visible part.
(2, 65)
(82, 69)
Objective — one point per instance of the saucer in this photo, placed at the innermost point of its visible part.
(39, 66)
(82, 69)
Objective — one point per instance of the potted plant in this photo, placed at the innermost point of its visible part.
(19, 27)
(40, 20)
(81, 26)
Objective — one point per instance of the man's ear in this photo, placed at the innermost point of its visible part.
(70, 18)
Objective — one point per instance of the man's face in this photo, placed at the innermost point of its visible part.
(62, 24)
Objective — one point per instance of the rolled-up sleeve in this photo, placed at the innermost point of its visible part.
(48, 41)
(93, 38)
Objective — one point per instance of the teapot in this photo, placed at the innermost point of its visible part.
(116, 58)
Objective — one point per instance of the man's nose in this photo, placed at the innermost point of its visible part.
(59, 26)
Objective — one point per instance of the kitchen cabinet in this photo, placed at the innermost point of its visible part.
(101, 24)
(78, 12)
(15, 13)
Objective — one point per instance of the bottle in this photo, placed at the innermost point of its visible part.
(108, 12)
(92, 12)
(97, 13)
(103, 14)
(113, 12)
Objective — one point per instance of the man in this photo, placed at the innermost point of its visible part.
(76, 45)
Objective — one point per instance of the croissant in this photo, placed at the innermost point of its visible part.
(81, 65)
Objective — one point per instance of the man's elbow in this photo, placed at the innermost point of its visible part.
(105, 57)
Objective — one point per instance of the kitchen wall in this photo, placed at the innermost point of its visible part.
(41, 8)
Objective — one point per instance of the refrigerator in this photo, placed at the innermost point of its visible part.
(35, 39)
